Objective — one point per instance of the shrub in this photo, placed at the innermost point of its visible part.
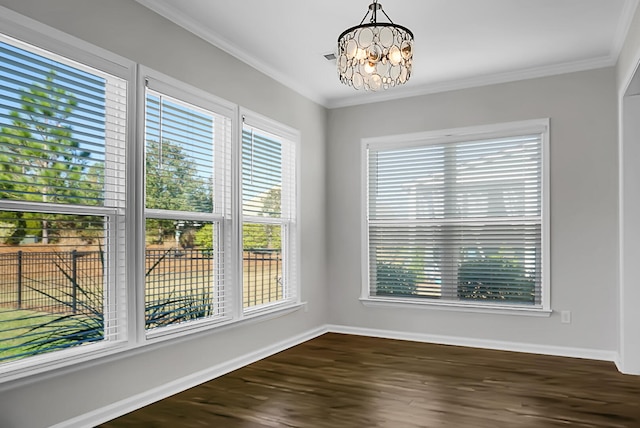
(495, 277)
(395, 279)
(83, 322)
(203, 238)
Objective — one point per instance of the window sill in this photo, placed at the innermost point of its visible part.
(14, 373)
(458, 307)
(187, 329)
(52, 364)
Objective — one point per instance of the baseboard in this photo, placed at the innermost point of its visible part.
(135, 402)
(130, 404)
(627, 369)
(619, 364)
(561, 351)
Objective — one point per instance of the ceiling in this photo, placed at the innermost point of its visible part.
(458, 43)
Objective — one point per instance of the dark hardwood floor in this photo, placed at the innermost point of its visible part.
(350, 381)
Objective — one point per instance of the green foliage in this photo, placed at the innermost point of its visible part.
(177, 309)
(204, 237)
(395, 279)
(265, 236)
(254, 236)
(257, 236)
(272, 202)
(14, 332)
(19, 230)
(41, 161)
(495, 276)
(172, 183)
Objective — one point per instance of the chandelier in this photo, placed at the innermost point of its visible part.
(376, 55)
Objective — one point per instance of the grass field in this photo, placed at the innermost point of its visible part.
(177, 289)
(16, 333)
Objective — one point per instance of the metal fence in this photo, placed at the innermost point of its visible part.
(262, 277)
(63, 282)
(54, 282)
(179, 286)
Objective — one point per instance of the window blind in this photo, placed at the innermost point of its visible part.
(188, 192)
(456, 220)
(269, 211)
(62, 202)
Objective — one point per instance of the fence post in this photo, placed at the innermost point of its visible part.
(74, 275)
(19, 279)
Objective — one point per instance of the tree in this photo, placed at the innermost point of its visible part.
(40, 161)
(265, 236)
(204, 238)
(256, 236)
(173, 183)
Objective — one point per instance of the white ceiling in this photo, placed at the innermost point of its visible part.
(458, 43)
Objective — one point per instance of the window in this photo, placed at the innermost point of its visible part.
(114, 235)
(268, 212)
(62, 202)
(458, 217)
(188, 205)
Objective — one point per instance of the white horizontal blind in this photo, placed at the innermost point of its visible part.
(188, 192)
(261, 173)
(62, 202)
(457, 221)
(269, 215)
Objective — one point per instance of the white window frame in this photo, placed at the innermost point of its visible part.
(57, 45)
(535, 126)
(166, 85)
(288, 221)
(129, 286)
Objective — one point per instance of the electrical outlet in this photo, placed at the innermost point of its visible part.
(565, 317)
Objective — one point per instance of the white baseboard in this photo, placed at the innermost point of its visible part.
(560, 351)
(148, 397)
(628, 369)
(135, 402)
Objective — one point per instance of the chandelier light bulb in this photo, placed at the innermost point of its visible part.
(395, 56)
(376, 55)
(369, 67)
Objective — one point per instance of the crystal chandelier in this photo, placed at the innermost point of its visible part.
(376, 55)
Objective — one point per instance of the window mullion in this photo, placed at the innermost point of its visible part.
(450, 251)
(268, 206)
(187, 214)
(182, 215)
(461, 220)
(43, 207)
(237, 214)
(64, 193)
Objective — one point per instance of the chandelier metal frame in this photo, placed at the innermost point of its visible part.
(375, 55)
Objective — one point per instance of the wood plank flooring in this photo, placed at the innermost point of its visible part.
(338, 381)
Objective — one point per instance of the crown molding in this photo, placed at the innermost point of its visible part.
(177, 17)
(474, 82)
(624, 25)
(216, 39)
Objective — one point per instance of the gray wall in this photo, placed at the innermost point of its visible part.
(583, 112)
(630, 53)
(630, 199)
(582, 109)
(130, 30)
